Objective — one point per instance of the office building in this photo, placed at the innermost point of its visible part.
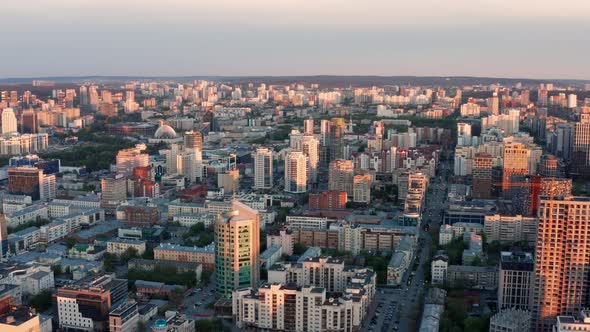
(296, 172)
(128, 159)
(516, 280)
(29, 122)
(237, 247)
(482, 176)
(562, 266)
(516, 163)
(9, 124)
(85, 305)
(25, 181)
(113, 192)
(229, 181)
(262, 168)
(581, 146)
(193, 140)
(124, 318)
(340, 176)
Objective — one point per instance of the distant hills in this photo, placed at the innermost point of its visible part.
(323, 80)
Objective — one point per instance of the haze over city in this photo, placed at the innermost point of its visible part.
(294, 166)
(521, 39)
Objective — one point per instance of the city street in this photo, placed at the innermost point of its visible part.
(399, 309)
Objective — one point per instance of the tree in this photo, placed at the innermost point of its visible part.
(42, 301)
(299, 249)
(109, 262)
(148, 253)
(56, 268)
(129, 254)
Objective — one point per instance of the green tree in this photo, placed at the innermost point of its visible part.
(42, 301)
(299, 249)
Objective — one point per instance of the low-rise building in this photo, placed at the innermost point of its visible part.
(124, 318)
(119, 246)
(477, 277)
(176, 253)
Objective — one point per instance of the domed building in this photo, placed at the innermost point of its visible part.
(165, 134)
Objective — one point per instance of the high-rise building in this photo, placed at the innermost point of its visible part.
(296, 172)
(308, 127)
(340, 176)
(516, 163)
(25, 181)
(129, 159)
(581, 147)
(28, 120)
(494, 104)
(262, 158)
(85, 305)
(572, 100)
(482, 175)
(516, 280)
(113, 192)
(237, 247)
(9, 124)
(311, 148)
(229, 181)
(335, 139)
(362, 188)
(562, 260)
(561, 142)
(193, 140)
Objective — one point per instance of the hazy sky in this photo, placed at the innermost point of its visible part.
(499, 38)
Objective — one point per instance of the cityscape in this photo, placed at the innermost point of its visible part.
(294, 166)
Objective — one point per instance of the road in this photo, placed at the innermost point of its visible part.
(400, 309)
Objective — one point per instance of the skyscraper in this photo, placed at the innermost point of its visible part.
(8, 121)
(262, 168)
(362, 188)
(296, 172)
(562, 261)
(237, 246)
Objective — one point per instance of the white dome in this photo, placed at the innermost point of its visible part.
(165, 132)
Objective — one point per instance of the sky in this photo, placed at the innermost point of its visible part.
(493, 38)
